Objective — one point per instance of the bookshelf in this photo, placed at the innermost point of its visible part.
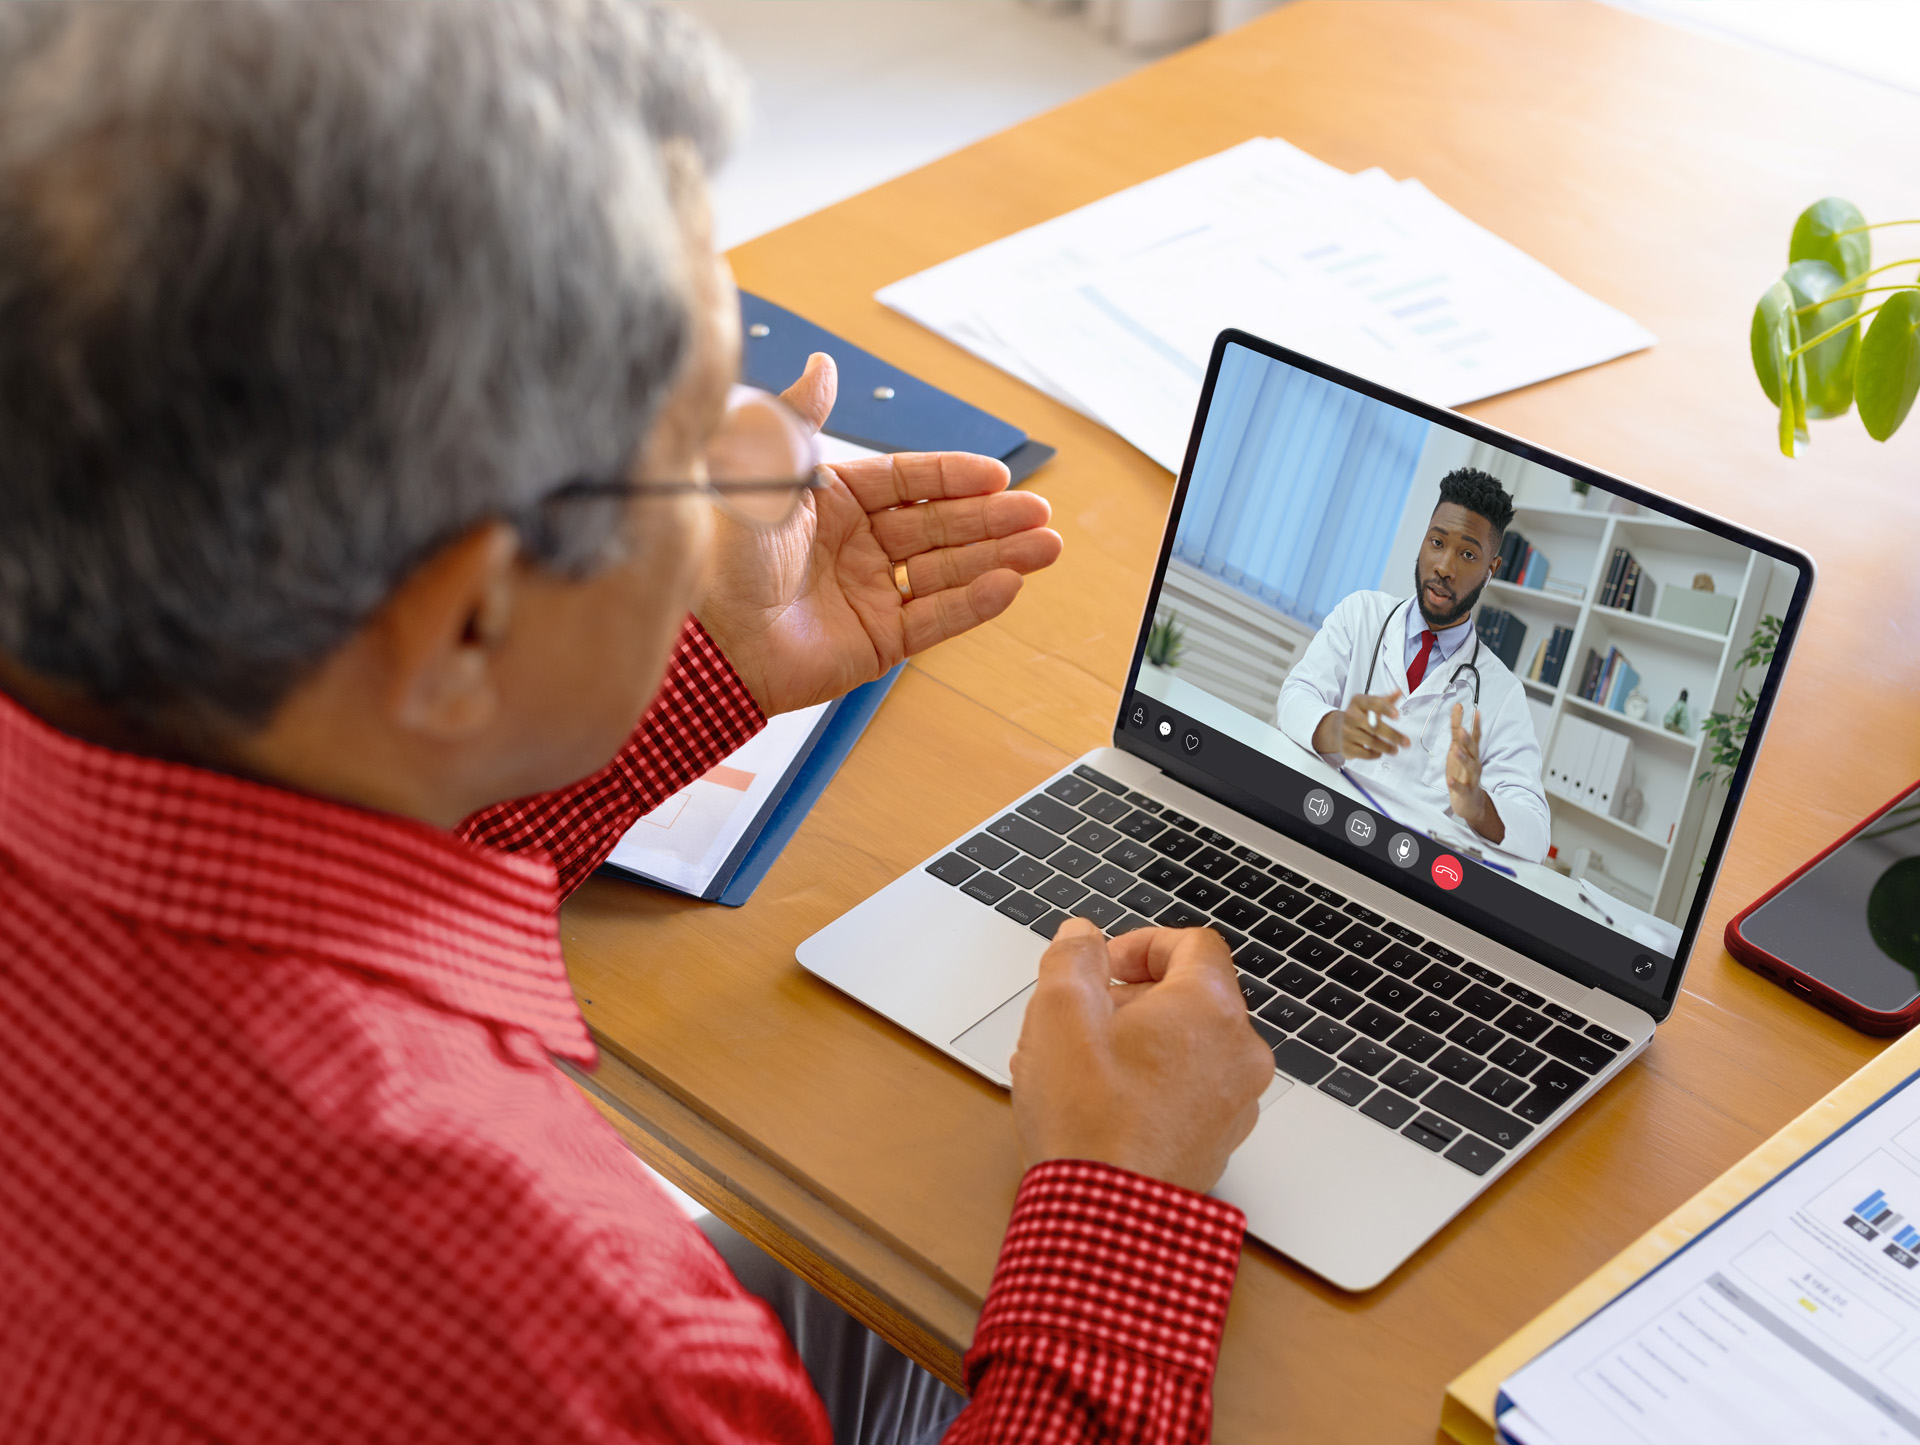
(1648, 862)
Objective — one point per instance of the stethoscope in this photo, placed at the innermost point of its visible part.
(1469, 665)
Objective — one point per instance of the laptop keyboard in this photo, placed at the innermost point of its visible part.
(1444, 1051)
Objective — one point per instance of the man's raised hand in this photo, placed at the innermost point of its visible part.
(1159, 1073)
(1360, 729)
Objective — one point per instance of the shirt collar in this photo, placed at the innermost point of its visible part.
(1445, 643)
(193, 851)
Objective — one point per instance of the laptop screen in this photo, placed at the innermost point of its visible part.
(1521, 692)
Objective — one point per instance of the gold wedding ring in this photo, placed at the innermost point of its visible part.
(900, 580)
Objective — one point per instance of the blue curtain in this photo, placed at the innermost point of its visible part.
(1298, 486)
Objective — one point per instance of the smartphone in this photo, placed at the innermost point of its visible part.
(1844, 931)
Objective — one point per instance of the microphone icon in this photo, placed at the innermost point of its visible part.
(1403, 850)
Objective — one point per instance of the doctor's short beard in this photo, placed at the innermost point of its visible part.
(1460, 609)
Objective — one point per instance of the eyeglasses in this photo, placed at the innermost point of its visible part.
(758, 464)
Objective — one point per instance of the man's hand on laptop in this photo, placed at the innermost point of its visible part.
(809, 611)
(1158, 1072)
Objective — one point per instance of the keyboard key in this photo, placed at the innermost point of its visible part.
(987, 852)
(1024, 908)
(1180, 915)
(1301, 1061)
(1335, 1000)
(1257, 993)
(1424, 1136)
(1140, 826)
(1552, 1087)
(1611, 1040)
(1403, 934)
(1476, 1156)
(1143, 802)
(1269, 1035)
(1482, 1002)
(1314, 952)
(1276, 932)
(1026, 835)
(1456, 1064)
(1434, 1124)
(1247, 855)
(1362, 940)
(1369, 1057)
(1072, 790)
(1179, 820)
(1524, 994)
(1212, 862)
(1401, 961)
(1585, 1054)
(1257, 959)
(1215, 837)
(1376, 1022)
(1387, 1107)
(1097, 910)
(987, 887)
(1288, 876)
(1482, 973)
(1109, 880)
(1287, 902)
(1127, 854)
(1073, 861)
(1296, 979)
(1445, 955)
(952, 868)
(1201, 893)
(1430, 1013)
(1522, 1022)
(1416, 1043)
(1048, 923)
(1237, 913)
(1497, 1125)
(1249, 882)
(1394, 993)
(1061, 892)
(1441, 981)
(1176, 845)
(1097, 836)
(1326, 894)
(1408, 1078)
(1286, 1013)
(1365, 914)
(1352, 972)
(1026, 872)
(1564, 1016)
(1164, 873)
(1127, 923)
(1502, 1088)
(1516, 1058)
(1144, 899)
(1324, 1033)
(1234, 940)
(1100, 780)
(1347, 1086)
(1106, 807)
(1324, 919)
(1474, 1036)
(1050, 813)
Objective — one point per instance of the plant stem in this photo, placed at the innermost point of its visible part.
(1853, 320)
(1848, 288)
(1874, 226)
(1870, 291)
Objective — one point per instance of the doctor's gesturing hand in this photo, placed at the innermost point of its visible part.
(1471, 803)
(1360, 730)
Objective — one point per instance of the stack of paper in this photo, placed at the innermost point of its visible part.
(1112, 309)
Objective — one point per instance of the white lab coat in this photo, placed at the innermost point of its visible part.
(1333, 671)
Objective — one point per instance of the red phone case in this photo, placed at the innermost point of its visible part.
(1820, 995)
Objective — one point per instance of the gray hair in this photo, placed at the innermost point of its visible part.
(293, 294)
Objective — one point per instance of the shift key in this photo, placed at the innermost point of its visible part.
(1455, 1103)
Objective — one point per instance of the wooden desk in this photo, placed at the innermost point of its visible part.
(1658, 170)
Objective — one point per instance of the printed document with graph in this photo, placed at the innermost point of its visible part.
(1794, 1318)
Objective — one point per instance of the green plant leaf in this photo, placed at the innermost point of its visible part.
(1830, 364)
(1816, 238)
(1775, 334)
(1887, 375)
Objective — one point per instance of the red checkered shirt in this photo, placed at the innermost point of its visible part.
(283, 1155)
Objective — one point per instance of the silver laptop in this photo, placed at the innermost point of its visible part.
(1436, 1001)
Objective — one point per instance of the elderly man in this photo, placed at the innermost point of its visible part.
(363, 375)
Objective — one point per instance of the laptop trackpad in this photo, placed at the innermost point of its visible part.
(989, 1044)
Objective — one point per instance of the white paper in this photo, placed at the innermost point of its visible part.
(1795, 1319)
(1113, 308)
(683, 842)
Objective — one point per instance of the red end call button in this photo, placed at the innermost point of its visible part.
(1447, 871)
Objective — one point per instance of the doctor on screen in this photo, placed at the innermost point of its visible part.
(1400, 690)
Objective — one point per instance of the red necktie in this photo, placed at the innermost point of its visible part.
(1419, 668)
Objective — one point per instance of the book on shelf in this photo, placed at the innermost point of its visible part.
(1533, 570)
(1627, 587)
(1503, 634)
(1591, 765)
(1558, 646)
